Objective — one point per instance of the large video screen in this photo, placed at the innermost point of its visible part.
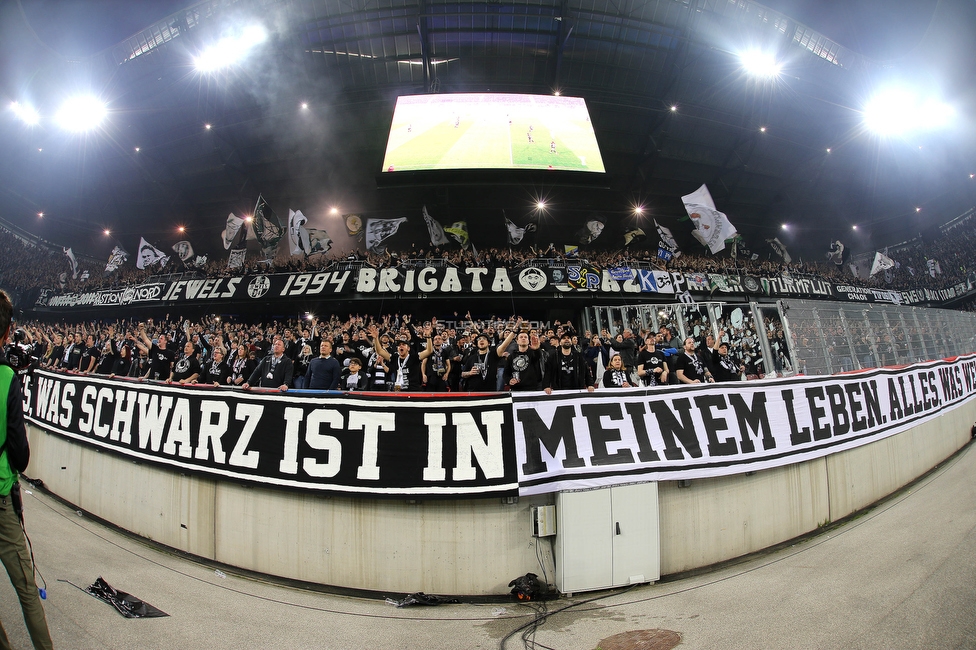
(491, 131)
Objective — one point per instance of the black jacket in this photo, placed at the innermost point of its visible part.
(580, 377)
(281, 374)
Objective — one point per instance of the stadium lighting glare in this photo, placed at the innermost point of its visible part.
(138, 149)
(40, 214)
(107, 232)
(333, 210)
(208, 126)
(854, 227)
(828, 149)
(181, 229)
(25, 113)
(674, 109)
(230, 50)
(760, 64)
(784, 227)
(638, 210)
(248, 218)
(972, 175)
(82, 113)
(762, 129)
(899, 111)
(917, 209)
(304, 106)
(540, 205)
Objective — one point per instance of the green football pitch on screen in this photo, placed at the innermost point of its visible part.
(491, 131)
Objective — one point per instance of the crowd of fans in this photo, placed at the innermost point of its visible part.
(394, 352)
(24, 267)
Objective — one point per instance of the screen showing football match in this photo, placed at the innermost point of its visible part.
(491, 131)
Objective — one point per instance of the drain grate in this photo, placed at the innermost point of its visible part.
(642, 640)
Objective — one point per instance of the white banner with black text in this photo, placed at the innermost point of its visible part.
(584, 440)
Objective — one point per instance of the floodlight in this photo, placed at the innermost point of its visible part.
(897, 111)
(230, 49)
(25, 113)
(81, 113)
(540, 205)
(760, 64)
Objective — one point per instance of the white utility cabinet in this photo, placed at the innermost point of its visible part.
(607, 537)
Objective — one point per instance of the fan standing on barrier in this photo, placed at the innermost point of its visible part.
(13, 459)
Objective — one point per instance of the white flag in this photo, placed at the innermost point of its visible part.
(183, 250)
(836, 253)
(73, 262)
(934, 267)
(437, 235)
(516, 234)
(149, 255)
(881, 263)
(318, 241)
(379, 230)
(297, 234)
(115, 260)
(233, 226)
(713, 226)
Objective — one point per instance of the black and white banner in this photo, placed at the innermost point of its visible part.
(375, 445)
(582, 440)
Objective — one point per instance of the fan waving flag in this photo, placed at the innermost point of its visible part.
(436, 230)
(379, 230)
(459, 231)
(297, 234)
(712, 226)
(881, 263)
(183, 250)
(72, 261)
(318, 241)
(780, 249)
(149, 255)
(115, 260)
(836, 253)
(516, 234)
(233, 226)
(267, 227)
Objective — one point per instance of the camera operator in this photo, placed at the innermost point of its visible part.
(14, 458)
(20, 354)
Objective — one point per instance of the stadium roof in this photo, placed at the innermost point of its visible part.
(669, 99)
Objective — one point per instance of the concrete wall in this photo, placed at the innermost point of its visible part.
(468, 546)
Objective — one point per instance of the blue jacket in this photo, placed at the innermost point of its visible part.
(323, 373)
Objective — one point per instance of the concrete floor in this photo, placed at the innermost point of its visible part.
(903, 575)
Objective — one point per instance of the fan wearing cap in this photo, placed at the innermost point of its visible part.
(479, 371)
(405, 364)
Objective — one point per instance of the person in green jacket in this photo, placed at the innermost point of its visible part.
(13, 459)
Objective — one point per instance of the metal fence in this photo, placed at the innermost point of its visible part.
(802, 336)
